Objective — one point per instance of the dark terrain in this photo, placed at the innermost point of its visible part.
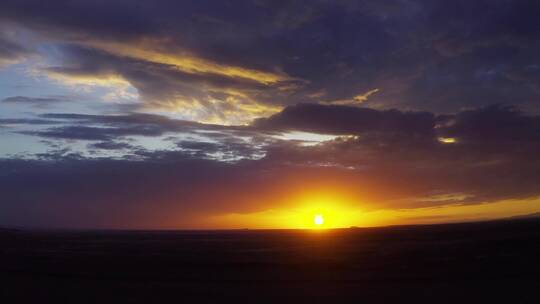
(458, 263)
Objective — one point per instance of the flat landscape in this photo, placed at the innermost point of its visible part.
(474, 262)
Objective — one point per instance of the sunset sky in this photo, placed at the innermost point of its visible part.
(265, 114)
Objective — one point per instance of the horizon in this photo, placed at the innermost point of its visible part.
(518, 218)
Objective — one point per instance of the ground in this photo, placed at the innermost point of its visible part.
(465, 263)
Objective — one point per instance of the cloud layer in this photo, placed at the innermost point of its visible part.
(383, 159)
(232, 62)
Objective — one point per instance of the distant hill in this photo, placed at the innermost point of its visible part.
(535, 215)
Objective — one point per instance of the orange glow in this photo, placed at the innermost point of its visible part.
(338, 213)
(308, 211)
(343, 201)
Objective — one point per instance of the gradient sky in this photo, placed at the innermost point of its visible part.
(261, 114)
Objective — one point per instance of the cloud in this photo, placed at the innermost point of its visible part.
(94, 133)
(109, 127)
(403, 150)
(34, 100)
(11, 52)
(496, 124)
(355, 100)
(187, 63)
(203, 61)
(135, 119)
(129, 135)
(196, 95)
(335, 119)
(393, 161)
(110, 145)
(27, 121)
(206, 63)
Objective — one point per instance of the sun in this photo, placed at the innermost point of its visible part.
(318, 219)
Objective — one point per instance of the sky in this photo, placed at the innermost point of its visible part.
(266, 114)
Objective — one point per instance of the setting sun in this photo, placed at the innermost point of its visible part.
(318, 219)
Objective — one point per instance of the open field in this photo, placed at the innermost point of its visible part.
(443, 263)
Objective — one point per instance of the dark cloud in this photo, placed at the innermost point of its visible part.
(27, 121)
(94, 133)
(110, 145)
(345, 120)
(137, 118)
(10, 51)
(498, 124)
(108, 127)
(228, 147)
(486, 142)
(34, 100)
(227, 143)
